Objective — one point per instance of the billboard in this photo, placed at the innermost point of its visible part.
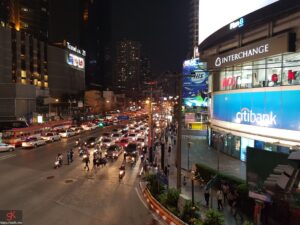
(212, 18)
(273, 109)
(75, 61)
(195, 83)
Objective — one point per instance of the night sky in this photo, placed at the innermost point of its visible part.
(160, 25)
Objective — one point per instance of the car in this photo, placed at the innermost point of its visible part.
(6, 147)
(51, 136)
(106, 142)
(78, 130)
(91, 142)
(33, 142)
(115, 131)
(123, 142)
(131, 150)
(132, 136)
(105, 135)
(113, 151)
(116, 136)
(89, 126)
(67, 133)
(140, 142)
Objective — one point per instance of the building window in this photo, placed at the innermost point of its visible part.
(291, 69)
(259, 73)
(23, 74)
(274, 65)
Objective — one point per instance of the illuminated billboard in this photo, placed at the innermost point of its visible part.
(195, 83)
(212, 18)
(75, 61)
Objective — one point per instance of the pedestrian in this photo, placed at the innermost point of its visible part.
(220, 199)
(71, 154)
(237, 206)
(207, 195)
(68, 157)
(87, 162)
(95, 162)
(169, 150)
(225, 189)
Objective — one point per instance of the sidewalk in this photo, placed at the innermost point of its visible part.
(201, 153)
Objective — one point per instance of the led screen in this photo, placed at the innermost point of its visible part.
(215, 14)
(195, 83)
(75, 61)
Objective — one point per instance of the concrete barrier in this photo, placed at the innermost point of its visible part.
(159, 209)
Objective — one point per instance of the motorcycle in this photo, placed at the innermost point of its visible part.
(142, 157)
(121, 173)
(132, 161)
(57, 164)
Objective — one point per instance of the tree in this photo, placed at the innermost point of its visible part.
(213, 217)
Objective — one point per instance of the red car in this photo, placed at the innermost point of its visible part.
(123, 142)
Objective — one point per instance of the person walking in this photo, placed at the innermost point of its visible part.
(207, 196)
(71, 154)
(68, 157)
(225, 189)
(220, 199)
(87, 162)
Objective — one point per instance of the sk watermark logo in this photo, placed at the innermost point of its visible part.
(8, 217)
(261, 119)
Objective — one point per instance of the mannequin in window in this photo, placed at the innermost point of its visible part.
(274, 78)
(291, 76)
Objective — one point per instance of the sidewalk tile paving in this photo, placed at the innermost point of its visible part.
(200, 153)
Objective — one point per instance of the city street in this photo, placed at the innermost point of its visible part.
(69, 194)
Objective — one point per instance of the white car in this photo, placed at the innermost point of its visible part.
(106, 142)
(51, 136)
(33, 142)
(116, 136)
(132, 137)
(90, 126)
(67, 133)
(5, 147)
(140, 142)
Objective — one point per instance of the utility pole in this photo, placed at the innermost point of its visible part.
(179, 128)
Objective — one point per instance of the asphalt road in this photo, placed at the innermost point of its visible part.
(69, 195)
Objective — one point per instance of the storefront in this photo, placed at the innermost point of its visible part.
(254, 97)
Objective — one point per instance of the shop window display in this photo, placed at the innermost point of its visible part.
(246, 76)
(259, 73)
(274, 65)
(291, 69)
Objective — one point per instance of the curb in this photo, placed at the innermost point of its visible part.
(160, 210)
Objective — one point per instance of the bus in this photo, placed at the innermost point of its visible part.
(15, 136)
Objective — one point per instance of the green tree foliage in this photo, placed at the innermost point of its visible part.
(213, 217)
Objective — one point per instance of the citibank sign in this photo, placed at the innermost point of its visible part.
(262, 119)
(242, 54)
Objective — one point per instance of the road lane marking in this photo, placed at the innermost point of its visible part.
(7, 156)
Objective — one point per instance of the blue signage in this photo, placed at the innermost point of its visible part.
(195, 83)
(274, 109)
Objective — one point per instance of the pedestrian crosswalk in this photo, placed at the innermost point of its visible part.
(7, 156)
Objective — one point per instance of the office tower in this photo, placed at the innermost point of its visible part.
(128, 66)
(193, 28)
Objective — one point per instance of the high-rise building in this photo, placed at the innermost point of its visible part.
(145, 71)
(23, 62)
(68, 24)
(128, 66)
(193, 28)
(30, 16)
(98, 44)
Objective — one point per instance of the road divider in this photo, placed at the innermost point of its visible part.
(159, 209)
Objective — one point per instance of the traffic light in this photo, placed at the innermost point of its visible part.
(100, 124)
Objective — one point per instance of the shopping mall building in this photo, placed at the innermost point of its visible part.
(254, 78)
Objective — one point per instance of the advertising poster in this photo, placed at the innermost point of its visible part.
(195, 83)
